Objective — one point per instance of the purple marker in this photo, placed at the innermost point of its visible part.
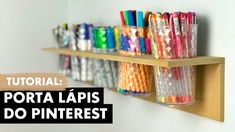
(125, 43)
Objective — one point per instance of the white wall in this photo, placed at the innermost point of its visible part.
(216, 37)
(25, 28)
(30, 23)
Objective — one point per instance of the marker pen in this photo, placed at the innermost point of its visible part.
(140, 24)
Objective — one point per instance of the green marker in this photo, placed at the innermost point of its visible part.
(102, 39)
(95, 37)
(126, 18)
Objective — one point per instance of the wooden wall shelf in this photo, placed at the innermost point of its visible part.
(143, 59)
(209, 86)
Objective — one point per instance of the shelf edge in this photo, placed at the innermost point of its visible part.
(144, 59)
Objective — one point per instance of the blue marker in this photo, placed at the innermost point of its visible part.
(140, 19)
(124, 43)
(135, 17)
(140, 23)
(110, 38)
(84, 31)
(131, 18)
(142, 45)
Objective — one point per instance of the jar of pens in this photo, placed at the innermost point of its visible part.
(174, 36)
(104, 40)
(134, 79)
(61, 36)
(80, 40)
(75, 38)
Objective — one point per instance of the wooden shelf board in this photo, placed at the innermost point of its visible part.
(209, 86)
(143, 59)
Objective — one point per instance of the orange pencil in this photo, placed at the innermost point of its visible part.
(137, 77)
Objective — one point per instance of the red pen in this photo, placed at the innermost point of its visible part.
(179, 52)
(174, 48)
(122, 18)
(178, 46)
(182, 19)
(168, 41)
(172, 36)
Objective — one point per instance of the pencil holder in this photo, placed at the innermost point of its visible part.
(174, 86)
(79, 40)
(62, 38)
(84, 44)
(134, 79)
(105, 72)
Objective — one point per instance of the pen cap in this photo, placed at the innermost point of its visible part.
(140, 19)
(110, 38)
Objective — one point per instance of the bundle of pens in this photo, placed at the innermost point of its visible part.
(62, 37)
(75, 38)
(134, 79)
(104, 40)
(174, 36)
(81, 66)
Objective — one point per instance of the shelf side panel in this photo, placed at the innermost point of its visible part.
(209, 93)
